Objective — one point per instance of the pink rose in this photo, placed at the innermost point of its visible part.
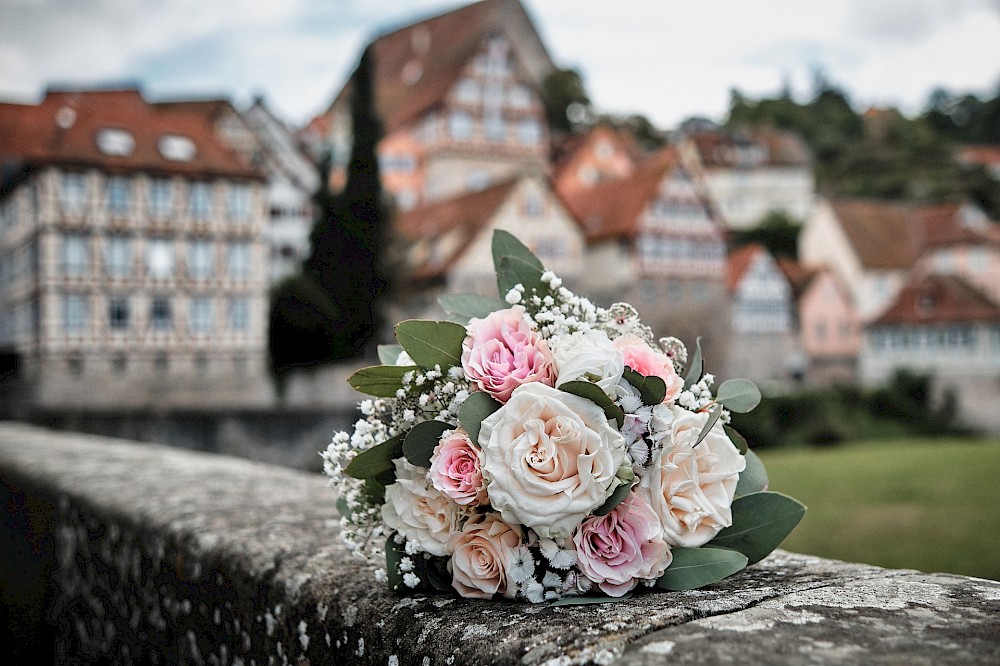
(650, 363)
(619, 549)
(483, 551)
(456, 469)
(502, 352)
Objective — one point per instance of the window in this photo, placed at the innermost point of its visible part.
(201, 259)
(239, 314)
(160, 258)
(406, 199)
(161, 195)
(162, 363)
(74, 313)
(533, 205)
(493, 95)
(119, 364)
(460, 125)
(200, 201)
(239, 261)
(647, 291)
(477, 180)
(119, 312)
(119, 196)
(161, 314)
(72, 193)
(520, 97)
(201, 315)
(675, 290)
(529, 133)
(238, 202)
(118, 256)
(75, 257)
(467, 91)
(117, 142)
(495, 127)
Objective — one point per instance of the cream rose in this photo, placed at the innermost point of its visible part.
(482, 556)
(550, 459)
(420, 512)
(691, 487)
(588, 356)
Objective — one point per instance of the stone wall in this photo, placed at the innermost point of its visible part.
(118, 552)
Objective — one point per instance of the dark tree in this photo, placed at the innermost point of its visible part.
(778, 232)
(566, 101)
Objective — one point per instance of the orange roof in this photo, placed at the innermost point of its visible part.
(568, 151)
(987, 156)
(739, 261)
(466, 215)
(416, 65)
(939, 299)
(770, 147)
(65, 127)
(611, 209)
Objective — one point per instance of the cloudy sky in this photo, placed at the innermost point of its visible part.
(663, 58)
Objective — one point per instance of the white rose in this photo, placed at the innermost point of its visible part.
(419, 511)
(589, 356)
(691, 487)
(550, 459)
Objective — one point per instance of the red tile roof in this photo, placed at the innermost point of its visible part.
(739, 261)
(987, 156)
(467, 215)
(64, 128)
(416, 65)
(935, 299)
(567, 153)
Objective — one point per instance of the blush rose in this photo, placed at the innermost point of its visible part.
(648, 362)
(502, 352)
(481, 557)
(456, 469)
(420, 512)
(618, 550)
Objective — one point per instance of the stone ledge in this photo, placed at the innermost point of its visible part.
(164, 556)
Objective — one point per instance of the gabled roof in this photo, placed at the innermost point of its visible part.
(611, 209)
(932, 299)
(799, 276)
(727, 149)
(567, 153)
(739, 262)
(466, 215)
(416, 65)
(64, 130)
(892, 236)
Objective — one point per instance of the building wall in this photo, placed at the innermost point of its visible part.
(745, 196)
(955, 350)
(978, 264)
(829, 326)
(604, 156)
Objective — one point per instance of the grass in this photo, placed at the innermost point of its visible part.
(926, 504)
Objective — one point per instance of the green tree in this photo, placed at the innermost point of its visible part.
(778, 232)
(566, 101)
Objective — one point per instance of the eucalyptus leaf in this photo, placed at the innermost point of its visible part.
(616, 498)
(431, 343)
(394, 554)
(470, 306)
(761, 521)
(587, 601)
(652, 390)
(697, 367)
(476, 407)
(596, 395)
(342, 508)
(376, 460)
(692, 568)
(374, 488)
(388, 354)
(419, 444)
(381, 381)
(515, 264)
(738, 395)
(753, 478)
(738, 440)
(714, 412)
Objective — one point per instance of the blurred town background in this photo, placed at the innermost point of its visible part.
(198, 270)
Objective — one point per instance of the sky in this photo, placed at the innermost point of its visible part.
(665, 59)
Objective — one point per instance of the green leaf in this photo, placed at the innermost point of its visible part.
(381, 381)
(515, 264)
(761, 521)
(394, 554)
(753, 478)
(738, 440)
(652, 390)
(376, 460)
(470, 306)
(342, 508)
(418, 446)
(476, 407)
(738, 395)
(431, 343)
(714, 412)
(617, 497)
(387, 354)
(697, 367)
(692, 568)
(596, 395)
(374, 488)
(586, 601)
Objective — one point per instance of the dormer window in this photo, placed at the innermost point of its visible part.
(412, 71)
(176, 148)
(115, 142)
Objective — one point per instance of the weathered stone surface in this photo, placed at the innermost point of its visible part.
(163, 556)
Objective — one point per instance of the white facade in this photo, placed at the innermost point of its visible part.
(955, 350)
(744, 196)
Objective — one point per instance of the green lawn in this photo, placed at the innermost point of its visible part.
(927, 504)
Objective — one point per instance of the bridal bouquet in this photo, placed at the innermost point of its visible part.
(540, 447)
